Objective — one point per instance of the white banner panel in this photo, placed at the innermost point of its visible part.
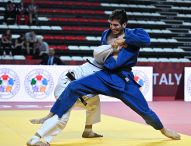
(35, 83)
(187, 84)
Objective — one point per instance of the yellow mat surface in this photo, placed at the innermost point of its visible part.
(16, 129)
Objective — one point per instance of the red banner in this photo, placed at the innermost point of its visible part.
(168, 79)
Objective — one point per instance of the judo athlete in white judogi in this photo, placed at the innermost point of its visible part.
(51, 124)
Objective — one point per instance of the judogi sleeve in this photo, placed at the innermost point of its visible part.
(101, 53)
(137, 37)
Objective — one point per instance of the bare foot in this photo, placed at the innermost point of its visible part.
(39, 143)
(36, 142)
(170, 134)
(91, 135)
(37, 121)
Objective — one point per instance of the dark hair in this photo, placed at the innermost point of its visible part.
(120, 15)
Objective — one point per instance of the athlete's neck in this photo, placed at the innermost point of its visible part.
(121, 34)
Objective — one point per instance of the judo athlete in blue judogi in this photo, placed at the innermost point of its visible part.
(116, 79)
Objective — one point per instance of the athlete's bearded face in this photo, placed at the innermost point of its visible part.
(116, 27)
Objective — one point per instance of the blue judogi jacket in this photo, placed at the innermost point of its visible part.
(127, 57)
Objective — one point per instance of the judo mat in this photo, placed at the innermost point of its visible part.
(16, 130)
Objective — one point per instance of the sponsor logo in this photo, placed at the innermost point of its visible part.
(9, 83)
(39, 83)
(143, 80)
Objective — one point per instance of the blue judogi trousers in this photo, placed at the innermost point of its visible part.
(128, 92)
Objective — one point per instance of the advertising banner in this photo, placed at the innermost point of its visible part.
(36, 83)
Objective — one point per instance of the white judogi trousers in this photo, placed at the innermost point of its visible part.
(55, 125)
